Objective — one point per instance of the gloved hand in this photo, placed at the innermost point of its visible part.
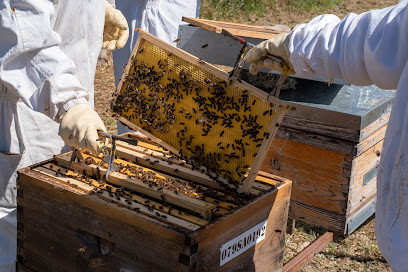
(116, 30)
(78, 128)
(277, 46)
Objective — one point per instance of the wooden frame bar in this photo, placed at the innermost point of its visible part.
(204, 208)
(307, 254)
(242, 30)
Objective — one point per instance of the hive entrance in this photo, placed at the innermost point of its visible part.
(193, 110)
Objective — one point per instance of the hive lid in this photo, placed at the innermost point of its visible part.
(353, 108)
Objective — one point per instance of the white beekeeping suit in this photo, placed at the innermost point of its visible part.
(48, 55)
(160, 18)
(365, 49)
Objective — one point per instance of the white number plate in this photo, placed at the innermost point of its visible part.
(241, 243)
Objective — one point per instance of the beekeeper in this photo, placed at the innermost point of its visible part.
(159, 18)
(48, 54)
(365, 49)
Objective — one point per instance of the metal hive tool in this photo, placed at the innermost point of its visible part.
(223, 128)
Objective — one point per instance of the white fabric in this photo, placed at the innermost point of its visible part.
(160, 18)
(370, 48)
(48, 55)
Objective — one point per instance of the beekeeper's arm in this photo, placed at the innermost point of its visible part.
(365, 49)
(35, 69)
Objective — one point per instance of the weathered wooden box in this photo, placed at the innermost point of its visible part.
(331, 147)
(68, 221)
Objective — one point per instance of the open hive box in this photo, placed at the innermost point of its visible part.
(218, 125)
(156, 214)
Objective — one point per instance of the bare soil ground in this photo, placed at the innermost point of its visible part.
(356, 252)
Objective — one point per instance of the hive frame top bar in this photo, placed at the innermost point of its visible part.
(280, 106)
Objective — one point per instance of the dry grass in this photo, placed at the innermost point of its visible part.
(291, 12)
(356, 252)
(104, 88)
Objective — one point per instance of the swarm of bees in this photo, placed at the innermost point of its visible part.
(216, 127)
(157, 182)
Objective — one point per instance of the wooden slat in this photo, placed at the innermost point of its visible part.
(173, 211)
(371, 140)
(202, 207)
(224, 207)
(150, 166)
(317, 217)
(374, 126)
(204, 25)
(263, 150)
(361, 165)
(162, 155)
(259, 32)
(121, 200)
(174, 169)
(243, 26)
(307, 254)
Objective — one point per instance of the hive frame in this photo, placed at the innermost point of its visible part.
(279, 106)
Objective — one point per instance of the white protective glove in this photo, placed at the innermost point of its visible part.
(78, 128)
(116, 30)
(277, 46)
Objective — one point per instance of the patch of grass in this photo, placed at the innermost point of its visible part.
(248, 9)
(317, 5)
(225, 9)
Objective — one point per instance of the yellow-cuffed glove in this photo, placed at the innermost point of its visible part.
(116, 30)
(277, 46)
(79, 126)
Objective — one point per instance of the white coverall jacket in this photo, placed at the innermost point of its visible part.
(48, 55)
(160, 18)
(365, 49)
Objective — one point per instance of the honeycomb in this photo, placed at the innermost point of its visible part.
(213, 124)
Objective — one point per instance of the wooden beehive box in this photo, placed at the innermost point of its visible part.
(332, 150)
(156, 214)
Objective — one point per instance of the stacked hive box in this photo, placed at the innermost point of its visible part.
(333, 152)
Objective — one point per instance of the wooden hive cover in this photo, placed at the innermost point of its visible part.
(222, 127)
(260, 32)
